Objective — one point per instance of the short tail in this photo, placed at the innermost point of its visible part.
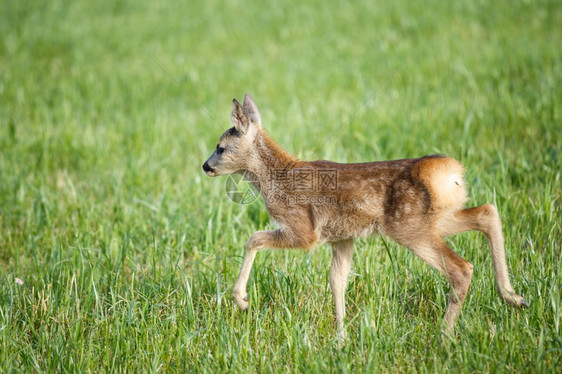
(443, 177)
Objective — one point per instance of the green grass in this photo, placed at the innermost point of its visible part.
(128, 252)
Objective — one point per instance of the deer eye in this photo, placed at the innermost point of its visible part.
(220, 150)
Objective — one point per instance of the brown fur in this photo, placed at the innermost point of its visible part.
(417, 202)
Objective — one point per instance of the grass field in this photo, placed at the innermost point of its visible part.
(118, 254)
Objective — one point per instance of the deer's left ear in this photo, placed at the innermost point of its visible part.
(239, 118)
(251, 110)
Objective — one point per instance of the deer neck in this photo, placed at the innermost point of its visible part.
(268, 159)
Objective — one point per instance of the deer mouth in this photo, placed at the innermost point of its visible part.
(209, 170)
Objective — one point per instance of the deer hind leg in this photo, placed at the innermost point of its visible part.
(339, 273)
(458, 271)
(485, 218)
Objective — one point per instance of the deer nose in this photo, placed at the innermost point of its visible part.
(206, 167)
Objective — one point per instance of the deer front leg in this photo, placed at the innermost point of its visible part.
(279, 238)
(239, 291)
(339, 273)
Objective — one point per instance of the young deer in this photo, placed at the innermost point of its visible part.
(417, 202)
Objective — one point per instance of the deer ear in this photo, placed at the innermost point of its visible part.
(239, 118)
(251, 110)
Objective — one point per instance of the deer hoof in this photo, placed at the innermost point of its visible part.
(242, 301)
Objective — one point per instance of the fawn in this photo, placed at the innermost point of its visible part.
(417, 202)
